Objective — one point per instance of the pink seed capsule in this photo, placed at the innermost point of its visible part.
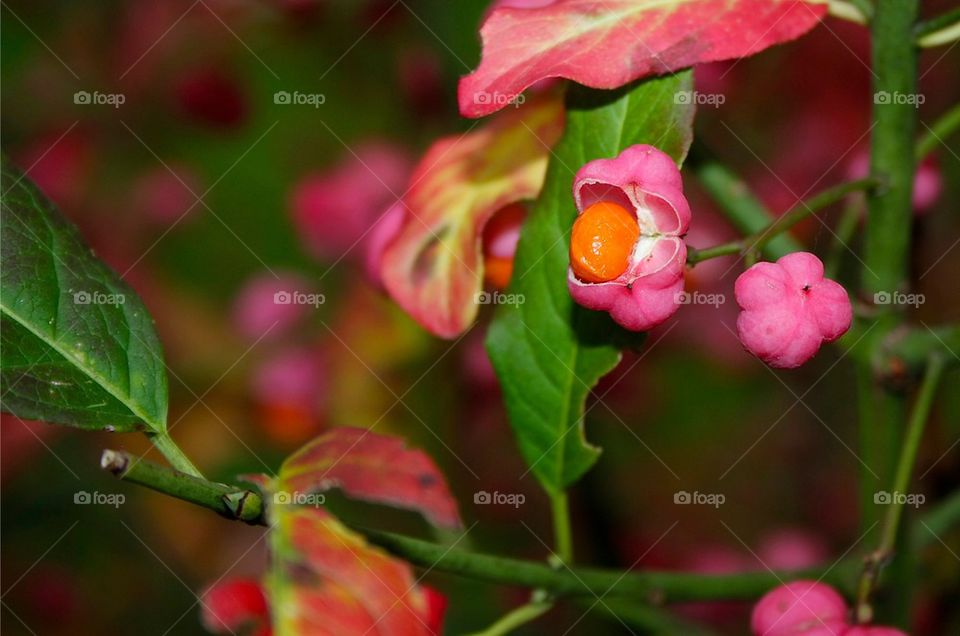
(800, 607)
(789, 309)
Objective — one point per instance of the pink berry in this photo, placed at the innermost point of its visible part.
(645, 182)
(866, 630)
(790, 309)
(800, 607)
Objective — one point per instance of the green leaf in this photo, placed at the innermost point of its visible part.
(78, 346)
(547, 351)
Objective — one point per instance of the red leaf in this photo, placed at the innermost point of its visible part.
(434, 266)
(371, 467)
(327, 581)
(608, 43)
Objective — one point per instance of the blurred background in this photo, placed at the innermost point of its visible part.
(217, 152)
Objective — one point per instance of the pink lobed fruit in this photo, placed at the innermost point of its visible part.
(790, 309)
(800, 607)
(646, 182)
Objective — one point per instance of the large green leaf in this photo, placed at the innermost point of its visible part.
(78, 346)
(547, 351)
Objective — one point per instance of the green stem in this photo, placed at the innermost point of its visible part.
(229, 501)
(563, 537)
(946, 125)
(761, 238)
(886, 245)
(516, 618)
(901, 482)
(644, 587)
(648, 586)
(747, 214)
(939, 30)
(173, 454)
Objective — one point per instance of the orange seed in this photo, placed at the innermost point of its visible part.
(601, 242)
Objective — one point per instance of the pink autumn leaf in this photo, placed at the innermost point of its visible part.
(372, 467)
(608, 43)
(434, 266)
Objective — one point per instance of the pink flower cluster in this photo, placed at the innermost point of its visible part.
(808, 608)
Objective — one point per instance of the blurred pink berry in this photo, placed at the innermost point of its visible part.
(290, 389)
(166, 196)
(927, 183)
(791, 549)
(646, 183)
(867, 630)
(334, 209)
(790, 309)
(60, 164)
(800, 607)
(927, 186)
(267, 306)
(213, 98)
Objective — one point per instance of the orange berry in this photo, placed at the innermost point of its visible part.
(497, 271)
(601, 242)
(500, 243)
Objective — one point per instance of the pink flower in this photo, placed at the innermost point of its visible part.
(800, 607)
(646, 182)
(790, 309)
